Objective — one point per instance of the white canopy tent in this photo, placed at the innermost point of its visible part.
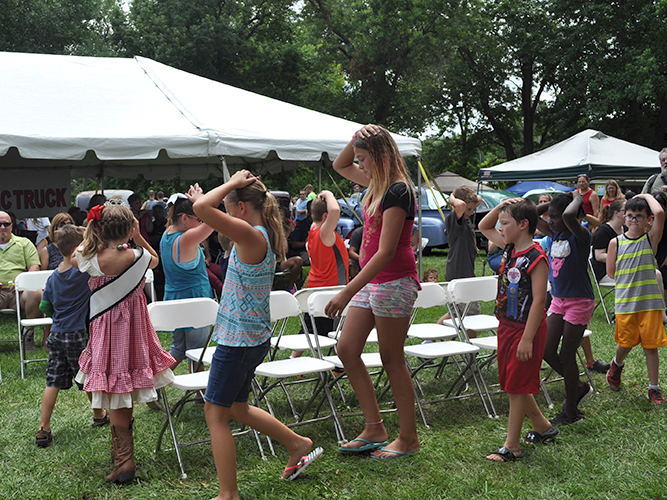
(137, 116)
(588, 152)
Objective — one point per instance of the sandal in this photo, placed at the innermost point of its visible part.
(101, 421)
(533, 437)
(43, 437)
(506, 455)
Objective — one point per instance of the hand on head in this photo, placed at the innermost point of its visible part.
(368, 130)
(243, 178)
(195, 192)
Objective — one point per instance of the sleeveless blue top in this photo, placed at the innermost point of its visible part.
(183, 280)
(244, 316)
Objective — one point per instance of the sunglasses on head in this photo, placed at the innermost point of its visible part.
(5, 224)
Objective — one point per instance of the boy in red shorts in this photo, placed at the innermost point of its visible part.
(522, 289)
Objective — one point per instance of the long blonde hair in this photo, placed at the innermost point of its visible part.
(264, 202)
(619, 194)
(388, 167)
(115, 223)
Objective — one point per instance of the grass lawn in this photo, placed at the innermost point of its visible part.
(616, 452)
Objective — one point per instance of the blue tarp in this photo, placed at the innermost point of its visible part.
(523, 187)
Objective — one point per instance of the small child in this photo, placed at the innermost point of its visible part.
(573, 301)
(65, 298)
(124, 362)
(243, 326)
(522, 332)
(461, 240)
(639, 301)
(329, 258)
(431, 275)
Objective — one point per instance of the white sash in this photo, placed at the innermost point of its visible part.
(115, 291)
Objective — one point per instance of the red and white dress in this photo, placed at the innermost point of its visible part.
(124, 362)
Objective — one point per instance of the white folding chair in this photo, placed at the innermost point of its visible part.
(168, 316)
(150, 281)
(431, 295)
(29, 282)
(607, 283)
(283, 306)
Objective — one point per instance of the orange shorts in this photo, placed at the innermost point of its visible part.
(644, 327)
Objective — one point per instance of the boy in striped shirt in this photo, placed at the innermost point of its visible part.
(639, 302)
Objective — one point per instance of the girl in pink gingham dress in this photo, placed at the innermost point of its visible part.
(124, 362)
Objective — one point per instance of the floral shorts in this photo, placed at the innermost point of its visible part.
(393, 299)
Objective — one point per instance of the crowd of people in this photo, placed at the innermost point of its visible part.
(102, 339)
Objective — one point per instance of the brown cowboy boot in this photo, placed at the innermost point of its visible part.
(123, 450)
(113, 456)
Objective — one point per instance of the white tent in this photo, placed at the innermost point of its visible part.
(137, 116)
(588, 152)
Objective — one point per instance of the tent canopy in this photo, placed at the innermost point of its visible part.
(449, 181)
(588, 152)
(137, 116)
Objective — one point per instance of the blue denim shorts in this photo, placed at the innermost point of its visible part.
(231, 373)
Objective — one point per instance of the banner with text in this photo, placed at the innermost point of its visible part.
(35, 192)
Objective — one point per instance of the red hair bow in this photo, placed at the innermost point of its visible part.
(95, 213)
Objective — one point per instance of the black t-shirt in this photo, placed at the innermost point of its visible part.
(601, 238)
(399, 195)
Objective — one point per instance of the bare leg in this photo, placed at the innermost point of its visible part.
(48, 403)
(392, 333)
(358, 324)
(555, 326)
(224, 450)
(588, 351)
(653, 365)
(572, 335)
(621, 354)
(517, 414)
(539, 421)
(264, 422)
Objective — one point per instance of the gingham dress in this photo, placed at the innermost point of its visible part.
(124, 361)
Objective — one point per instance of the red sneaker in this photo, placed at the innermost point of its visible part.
(614, 376)
(655, 396)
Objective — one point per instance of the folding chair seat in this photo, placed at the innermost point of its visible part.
(284, 306)
(606, 283)
(29, 282)
(465, 291)
(463, 353)
(168, 316)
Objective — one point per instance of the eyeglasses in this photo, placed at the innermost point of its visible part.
(194, 217)
(636, 218)
(5, 224)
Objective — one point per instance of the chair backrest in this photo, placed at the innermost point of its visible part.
(283, 305)
(318, 301)
(430, 295)
(35, 280)
(303, 294)
(465, 290)
(169, 315)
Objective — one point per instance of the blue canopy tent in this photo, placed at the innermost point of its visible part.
(521, 188)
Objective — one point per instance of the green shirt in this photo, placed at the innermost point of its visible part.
(19, 254)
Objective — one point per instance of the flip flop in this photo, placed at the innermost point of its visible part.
(506, 455)
(305, 461)
(369, 446)
(397, 454)
(534, 437)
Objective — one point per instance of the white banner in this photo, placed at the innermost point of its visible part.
(35, 192)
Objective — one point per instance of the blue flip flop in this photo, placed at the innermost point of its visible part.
(397, 454)
(369, 446)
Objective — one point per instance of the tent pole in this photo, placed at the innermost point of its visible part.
(419, 212)
(319, 176)
(225, 169)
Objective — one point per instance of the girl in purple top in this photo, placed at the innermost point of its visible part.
(384, 291)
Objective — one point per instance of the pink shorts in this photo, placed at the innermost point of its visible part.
(393, 299)
(575, 310)
(519, 377)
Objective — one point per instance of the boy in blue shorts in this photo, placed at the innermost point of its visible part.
(66, 298)
(639, 301)
(522, 332)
